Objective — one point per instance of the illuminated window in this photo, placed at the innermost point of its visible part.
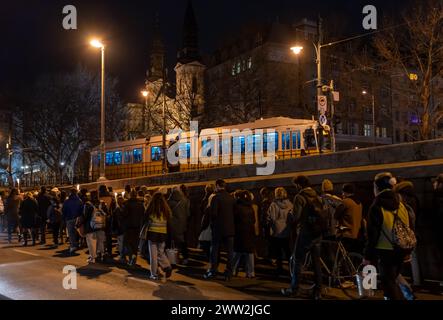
(384, 132)
(117, 157)
(243, 65)
(238, 144)
(272, 138)
(138, 155)
(233, 69)
(286, 141)
(156, 153)
(367, 130)
(128, 157)
(238, 69)
(185, 150)
(296, 140)
(109, 158)
(250, 63)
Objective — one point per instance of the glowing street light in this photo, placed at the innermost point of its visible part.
(97, 43)
(297, 49)
(144, 93)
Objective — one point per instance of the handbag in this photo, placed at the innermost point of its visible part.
(172, 254)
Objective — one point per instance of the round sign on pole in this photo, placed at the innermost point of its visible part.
(322, 120)
(322, 104)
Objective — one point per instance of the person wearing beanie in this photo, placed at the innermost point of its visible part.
(331, 202)
(380, 223)
(350, 215)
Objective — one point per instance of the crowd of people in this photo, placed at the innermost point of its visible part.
(154, 224)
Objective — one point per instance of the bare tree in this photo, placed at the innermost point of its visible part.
(417, 47)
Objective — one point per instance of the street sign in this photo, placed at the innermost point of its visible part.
(336, 96)
(322, 120)
(322, 104)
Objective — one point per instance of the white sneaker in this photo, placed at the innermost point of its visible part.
(91, 260)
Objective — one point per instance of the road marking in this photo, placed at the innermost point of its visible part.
(26, 252)
(21, 263)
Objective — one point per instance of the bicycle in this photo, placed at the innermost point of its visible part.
(344, 269)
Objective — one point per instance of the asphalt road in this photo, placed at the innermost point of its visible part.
(36, 273)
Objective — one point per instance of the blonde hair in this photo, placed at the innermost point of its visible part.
(280, 193)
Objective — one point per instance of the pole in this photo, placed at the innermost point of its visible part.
(144, 114)
(102, 131)
(164, 124)
(331, 90)
(10, 177)
(319, 75)
(392, 111)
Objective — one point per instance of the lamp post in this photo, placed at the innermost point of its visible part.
(364, 92)
(145, 94)
(98, 44)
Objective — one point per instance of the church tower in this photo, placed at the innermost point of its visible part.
(190, 70)
(156, 54)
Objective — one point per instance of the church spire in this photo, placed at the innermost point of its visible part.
(156, 53)
(189, 51)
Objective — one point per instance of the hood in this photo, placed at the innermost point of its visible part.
(283, 204)
(176, 195)
(309, 193)
(388, 200)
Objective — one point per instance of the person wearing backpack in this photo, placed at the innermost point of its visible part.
(332, 202)
(279, 218)
(94, 219)
(390, 235)
(310, 216)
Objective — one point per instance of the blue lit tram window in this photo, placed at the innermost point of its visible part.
(286, 140)
(117, 158)
(270, 137)
(128, 157)
(207, 147)
(296, 140)
(156, 153)
(138, 155)
(185, 150)
(238, 144)
(109, 158)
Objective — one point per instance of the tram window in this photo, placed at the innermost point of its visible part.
(225, 145)
(286, 141)
(296, 140)
(117, 157)
(96, 159)
(138, 155)
(208, 145)
(310, 142)
(128, 157)
(250, 143)
(109, 158)
(185, 150)
(270, 137)
(238, 144)
(156, 153)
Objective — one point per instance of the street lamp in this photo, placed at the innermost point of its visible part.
(98, 44)
(297, 49)
(145, 94)
(364, 92)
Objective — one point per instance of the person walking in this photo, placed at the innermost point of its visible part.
(54, 217)
(310, 220)
(72, 209)
(205, 226)
(244, 241)
(267, 197)
(105, 196)
(132, 218)
(117, 228)
(386, 208)
(94, 220)
(222, 228)
(12, 207)
(156, 218)
(279, 218)
(44, 201)
(28, 217)
(349, 216)
(180, 207)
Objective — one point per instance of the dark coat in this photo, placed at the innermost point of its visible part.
(28, 213)
(87, 215)
(44, 201)
(12, 207)
(180, 207)
(222, 215)
(132, 215)
(244, 218)
(349, 214)
(72, 208)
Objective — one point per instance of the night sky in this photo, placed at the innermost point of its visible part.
(33, 41)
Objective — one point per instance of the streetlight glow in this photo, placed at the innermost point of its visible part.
(144, 93)
(97, 43)
(297, 49)
(364, 92)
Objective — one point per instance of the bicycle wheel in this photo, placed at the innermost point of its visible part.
(347, 269)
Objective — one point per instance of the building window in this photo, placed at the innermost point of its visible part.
(238, 69)
(384, 132)
(138, 155)
(397, 136)
(367, 130)
(250, 63)
(117, 157)
(233, 70)
(109, 158)
(377, 132)
(243, 65)
(156, 153)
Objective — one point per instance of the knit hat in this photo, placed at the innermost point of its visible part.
(385, 180)
(327, 186)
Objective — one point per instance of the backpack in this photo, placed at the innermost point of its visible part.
(331, 203)
(98, 218)
(402, 238)
(317, 217)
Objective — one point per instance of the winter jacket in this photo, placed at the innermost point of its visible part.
(44, 201)
(222, 215)
(87, 215)
(387, 200)
(117, 221)
(180, 207)
(133, 212)
(244, 218)
(12, 207)
(349, 214)
(332, 202)
(28, 213)
(54, 214)
(72, 208)
(280, 217)
(303, 202)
